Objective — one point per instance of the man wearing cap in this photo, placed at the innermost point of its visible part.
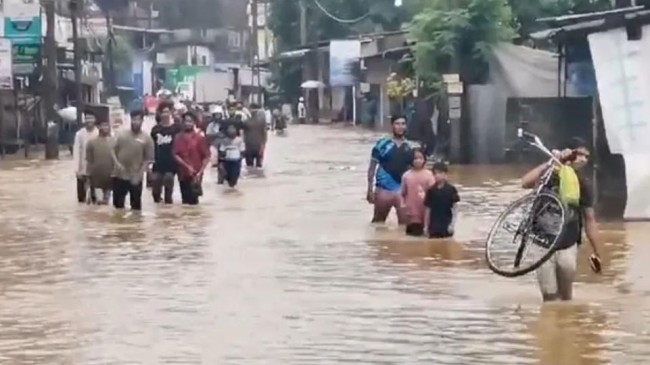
(81, 139)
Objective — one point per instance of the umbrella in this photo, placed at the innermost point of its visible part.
(68, 114)
(312, 84)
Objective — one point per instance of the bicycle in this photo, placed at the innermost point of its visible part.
(539, 226)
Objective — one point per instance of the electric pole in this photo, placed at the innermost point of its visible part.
(303, 23)
(110, 50)
(75, 9)
(50, 84)
(255, 51)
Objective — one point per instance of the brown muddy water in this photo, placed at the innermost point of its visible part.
(289, 271)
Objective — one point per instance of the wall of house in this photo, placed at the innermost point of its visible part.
(185, 55)
(228, 45)
(377, 71)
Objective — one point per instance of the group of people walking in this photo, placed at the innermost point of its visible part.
(426, 203)
(177, 148)
(424, 199)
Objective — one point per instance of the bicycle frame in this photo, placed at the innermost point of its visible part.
(536, 142)
(523, 230)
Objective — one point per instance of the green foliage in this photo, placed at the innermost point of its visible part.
(457, 35)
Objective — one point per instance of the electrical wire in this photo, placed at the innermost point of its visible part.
(334, 17)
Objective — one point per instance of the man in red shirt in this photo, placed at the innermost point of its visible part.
(193, 156)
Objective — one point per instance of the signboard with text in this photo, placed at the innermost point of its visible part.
(22, 21)
(6, 65)
(344, 55)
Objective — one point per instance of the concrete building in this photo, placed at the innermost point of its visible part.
(380, 55)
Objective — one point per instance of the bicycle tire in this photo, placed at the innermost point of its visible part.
(501, 219)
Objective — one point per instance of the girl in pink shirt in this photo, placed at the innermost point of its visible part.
(415, 184)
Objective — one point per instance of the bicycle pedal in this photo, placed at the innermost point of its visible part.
(540, 241)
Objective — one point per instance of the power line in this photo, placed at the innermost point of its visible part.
(334, 17)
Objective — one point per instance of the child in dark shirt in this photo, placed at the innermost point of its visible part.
(440, 202)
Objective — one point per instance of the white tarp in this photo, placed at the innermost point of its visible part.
(515, 72)
(623, 79)
(524, 72)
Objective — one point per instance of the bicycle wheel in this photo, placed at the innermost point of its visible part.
(525, 235)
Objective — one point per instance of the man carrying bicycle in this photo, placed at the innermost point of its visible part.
(556, 276)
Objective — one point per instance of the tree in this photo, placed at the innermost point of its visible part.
(285, 23)
(455, 36)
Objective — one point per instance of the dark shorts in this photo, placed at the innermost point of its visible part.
(253, 157)
(231, 172)
(415, 229)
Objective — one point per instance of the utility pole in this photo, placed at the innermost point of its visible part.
(255, 50)
(110, 53)
(75, 9)
(154, 61)
(303, 23)
(310, 65)
(50, 84)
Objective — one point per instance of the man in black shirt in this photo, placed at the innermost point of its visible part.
(164, 166)
(440, 202)
(556, 276)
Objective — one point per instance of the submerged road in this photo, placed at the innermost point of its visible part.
(289, 271)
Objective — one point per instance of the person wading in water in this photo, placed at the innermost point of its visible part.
(134, 151)
(556, 276)
(164, 166)
(101, 161)
(391, 157)
(81, 139)
(193, 157)
(255, 137)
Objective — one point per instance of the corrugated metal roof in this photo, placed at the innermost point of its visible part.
(142, 30)
(573, 18)
(596, 25)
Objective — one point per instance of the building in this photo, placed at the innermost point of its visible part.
(605, 55)
(379, 56)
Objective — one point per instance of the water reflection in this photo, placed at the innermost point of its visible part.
(570, 334)
(289, 270)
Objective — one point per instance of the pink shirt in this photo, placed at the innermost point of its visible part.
(414, 188)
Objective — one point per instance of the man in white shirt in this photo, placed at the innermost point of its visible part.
(81, 138)
(302, 111)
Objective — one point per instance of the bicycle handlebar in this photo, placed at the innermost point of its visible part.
(537, 142)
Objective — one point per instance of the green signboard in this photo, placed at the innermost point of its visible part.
(183, 73)
(26, 53)
(171, 78)
(188, 73)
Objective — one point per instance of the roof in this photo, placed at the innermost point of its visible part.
(142, 30)
(569, 26)
(574, 18)
(303, 49)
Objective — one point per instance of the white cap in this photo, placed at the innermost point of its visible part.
(180, 107)
(216, 109)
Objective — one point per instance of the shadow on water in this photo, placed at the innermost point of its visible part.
(287, 270)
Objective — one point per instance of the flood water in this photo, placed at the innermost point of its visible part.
(289, 271)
